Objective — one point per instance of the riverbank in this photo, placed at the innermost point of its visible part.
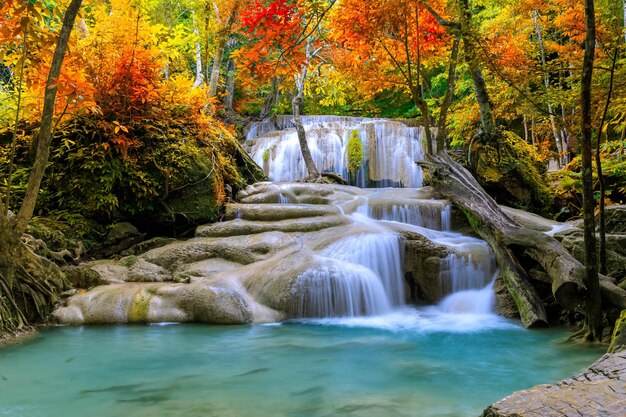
(599, 391)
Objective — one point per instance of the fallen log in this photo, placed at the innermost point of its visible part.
(511, 243)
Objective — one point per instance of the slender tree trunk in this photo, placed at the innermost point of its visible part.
(417, 90)
(230, 85)
(447, 100)
(199, 74)
(525, 121)
(18, 108)
(423, 106)
(217, 64)
(602, 249)
(546, 83)
(45, 131)
(206, 42)
(465, 28)
(472, 58)
(593, 317)
(296, 103)
(270, 100)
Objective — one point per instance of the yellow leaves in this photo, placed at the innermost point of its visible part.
(119, 127)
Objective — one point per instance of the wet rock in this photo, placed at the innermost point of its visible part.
(121, 231)
(573, 241)
(266, 265)
(154, 303)
(243, 250)
(277, 212)
(615, 219)
(146, 245)
(245, 227)
(599, 391)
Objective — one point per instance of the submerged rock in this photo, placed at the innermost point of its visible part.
(599, 391)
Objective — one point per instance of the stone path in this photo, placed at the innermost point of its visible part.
(600, 391)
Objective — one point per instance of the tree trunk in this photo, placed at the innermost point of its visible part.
(296, 103)
(217, 64)
(447, 100)
(510, 241)
(602, 247)
(546, 83)
(525, 120)
(593, 316)
(423, 106)
(45, 131)
(199, 75)
(230, 85)
(270, 100)
(472, 58)
(29, 282)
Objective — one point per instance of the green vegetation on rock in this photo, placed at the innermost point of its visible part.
(355, 152)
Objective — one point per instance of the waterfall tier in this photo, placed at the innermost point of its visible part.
(390, 150)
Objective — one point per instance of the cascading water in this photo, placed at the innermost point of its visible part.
(340, 290)
(379, 253)
(364, 275)
(390, 150)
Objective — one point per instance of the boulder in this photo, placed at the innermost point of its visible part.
(573, 241)
(127, 269)
(599, 391)
(121, 231)
(243, 250)
(154, 303)
(615, 219)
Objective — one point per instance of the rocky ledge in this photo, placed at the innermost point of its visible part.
(600, 391)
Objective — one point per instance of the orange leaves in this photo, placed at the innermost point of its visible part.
(383, 41)
(276, 32)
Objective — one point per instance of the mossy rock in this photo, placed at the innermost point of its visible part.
(618, 340)
(196, 204)
(511, 171)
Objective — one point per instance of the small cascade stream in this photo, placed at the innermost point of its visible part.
(365, 276)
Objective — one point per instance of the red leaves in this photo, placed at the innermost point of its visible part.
(274, 17)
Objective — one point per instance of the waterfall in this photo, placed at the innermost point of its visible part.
(362, 274)
(473, 301)
(339, 290)
(364, 277)
(390, 150)
(428, 215)
(380, 253)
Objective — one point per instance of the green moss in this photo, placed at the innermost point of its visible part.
(138, 312)
(266, 155)
(129, 261)
(355, 152)
(618, 339)
(513, 171)
(182, 278)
